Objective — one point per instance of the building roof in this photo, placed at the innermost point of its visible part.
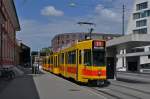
(17, 25)
(130, 41)
(103, 34)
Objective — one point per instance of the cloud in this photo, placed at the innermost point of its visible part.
(106, 13)
(51, 11)
(38, 34)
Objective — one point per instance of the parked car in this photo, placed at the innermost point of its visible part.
(145, 68)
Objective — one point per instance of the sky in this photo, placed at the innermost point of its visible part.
(41, 20)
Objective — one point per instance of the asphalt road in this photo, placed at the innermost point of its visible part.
(49, 86)
(124, 90)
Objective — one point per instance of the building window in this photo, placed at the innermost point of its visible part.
(141, 23)
(141, 14)
(136, 15)
(142, 6)
(140, 31)
(148, 56)
(148, 12)
(135, 50)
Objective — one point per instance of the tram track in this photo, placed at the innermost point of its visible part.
(104, 93)
(135, 89)
(130, 95)
(117, 91)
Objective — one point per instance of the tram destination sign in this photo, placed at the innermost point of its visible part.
(98, 44)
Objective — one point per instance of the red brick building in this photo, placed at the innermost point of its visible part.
(9, 24)
(63, 39)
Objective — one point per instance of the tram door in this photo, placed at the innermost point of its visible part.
(110, 67)
(55, 61)
(77, 63)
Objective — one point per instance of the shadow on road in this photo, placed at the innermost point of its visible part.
(132, 81)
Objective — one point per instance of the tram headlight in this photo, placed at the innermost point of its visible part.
(99, 73)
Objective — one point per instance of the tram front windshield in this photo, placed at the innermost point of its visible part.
(94, 57)
(98, 57)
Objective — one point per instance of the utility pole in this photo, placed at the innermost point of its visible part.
(123, 20)
(123, 31)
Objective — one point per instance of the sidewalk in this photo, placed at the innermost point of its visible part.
(22, 87)
(45, 86)
(50, 86)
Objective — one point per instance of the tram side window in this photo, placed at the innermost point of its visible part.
(45, 61)
(59, 59)
(49, 60)
(66, 57)
(87, 57)
(55, 61)
(69, 58)
(72, 57)
(80, 57)
(62, 58)
(58, 62)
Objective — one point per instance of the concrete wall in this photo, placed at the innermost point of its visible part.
(144, 60)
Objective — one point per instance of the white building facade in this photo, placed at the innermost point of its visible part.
(136, 59)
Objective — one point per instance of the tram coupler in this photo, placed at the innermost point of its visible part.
(102, 83)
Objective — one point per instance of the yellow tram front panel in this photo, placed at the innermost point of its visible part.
(94, 73)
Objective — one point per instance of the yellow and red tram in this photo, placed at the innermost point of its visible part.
(84, 61)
